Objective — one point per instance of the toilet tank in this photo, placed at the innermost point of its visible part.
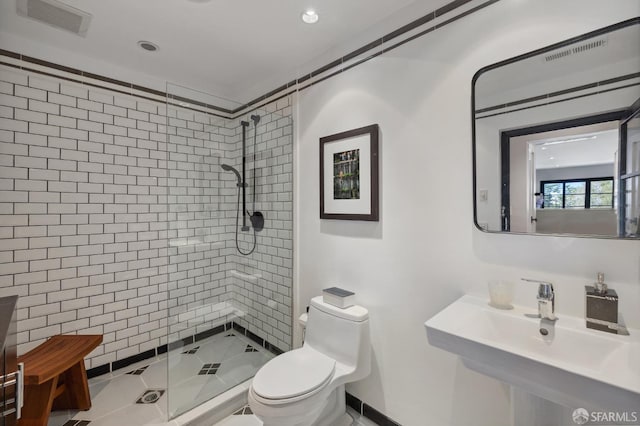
(342, 334)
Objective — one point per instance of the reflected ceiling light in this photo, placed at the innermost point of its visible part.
(310, 16)
(585, 138)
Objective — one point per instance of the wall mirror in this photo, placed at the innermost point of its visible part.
(556, 138)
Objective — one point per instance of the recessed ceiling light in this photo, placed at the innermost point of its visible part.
(148, 46)
(310, 16)
(585, 138)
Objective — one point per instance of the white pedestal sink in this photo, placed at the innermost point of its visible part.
(572, 366)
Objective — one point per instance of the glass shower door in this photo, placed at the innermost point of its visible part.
(227, 314)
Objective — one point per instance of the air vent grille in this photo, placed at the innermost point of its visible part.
(557, 55)
(575, 50)
(55, 14)
(589, 46)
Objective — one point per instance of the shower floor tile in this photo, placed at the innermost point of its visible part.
(114, 395)
(242, 367)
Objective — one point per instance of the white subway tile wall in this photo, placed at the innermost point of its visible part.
(262, 286)
(116, 218)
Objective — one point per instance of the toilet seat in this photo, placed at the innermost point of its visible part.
(293, 376)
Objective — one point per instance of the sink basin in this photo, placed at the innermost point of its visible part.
(573, 366)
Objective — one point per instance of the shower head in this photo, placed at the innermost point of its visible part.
(256, 119)
(228, 168)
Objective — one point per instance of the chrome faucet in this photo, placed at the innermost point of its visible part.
(546, 299)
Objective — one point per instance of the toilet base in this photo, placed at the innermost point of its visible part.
(335, 410)
(333, 413)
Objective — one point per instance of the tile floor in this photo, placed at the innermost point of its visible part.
(137, 395)
(244, 417)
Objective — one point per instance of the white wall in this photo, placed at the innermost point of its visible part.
(425, 252)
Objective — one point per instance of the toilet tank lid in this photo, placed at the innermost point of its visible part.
(352, 313)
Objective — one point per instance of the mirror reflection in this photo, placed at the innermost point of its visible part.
(557, 139)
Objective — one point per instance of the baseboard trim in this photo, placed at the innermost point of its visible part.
(369, 412)
(151, 353)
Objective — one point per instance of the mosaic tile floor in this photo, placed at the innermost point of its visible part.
(137, 395)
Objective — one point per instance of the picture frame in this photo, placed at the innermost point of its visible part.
(349, 175)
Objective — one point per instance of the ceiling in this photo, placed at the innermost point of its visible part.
(577, 149)
(235, 49)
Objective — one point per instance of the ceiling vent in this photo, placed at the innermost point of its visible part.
(581, 48)
(56, 14)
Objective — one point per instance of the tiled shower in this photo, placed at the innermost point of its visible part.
(117, 219)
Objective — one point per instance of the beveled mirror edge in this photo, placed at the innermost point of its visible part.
(572, 40)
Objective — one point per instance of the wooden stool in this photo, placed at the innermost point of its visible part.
(55, 377)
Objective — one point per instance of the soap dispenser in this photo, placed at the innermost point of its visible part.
(602, 306)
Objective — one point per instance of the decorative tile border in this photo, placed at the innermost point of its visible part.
(125, 362)
(122, 363)
(411, 31)
(26, 63)
(598, 88)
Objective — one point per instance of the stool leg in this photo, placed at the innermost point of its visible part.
(76, 393)
(37, 403)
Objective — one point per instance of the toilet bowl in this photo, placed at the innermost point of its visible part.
(305, 387)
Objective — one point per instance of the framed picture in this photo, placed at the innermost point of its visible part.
(349, 175)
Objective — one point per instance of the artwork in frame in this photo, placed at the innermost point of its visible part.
(349, 175)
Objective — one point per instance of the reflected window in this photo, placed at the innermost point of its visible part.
(601, 194)
(578, 193)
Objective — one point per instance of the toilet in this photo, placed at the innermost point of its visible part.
(305, 387)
